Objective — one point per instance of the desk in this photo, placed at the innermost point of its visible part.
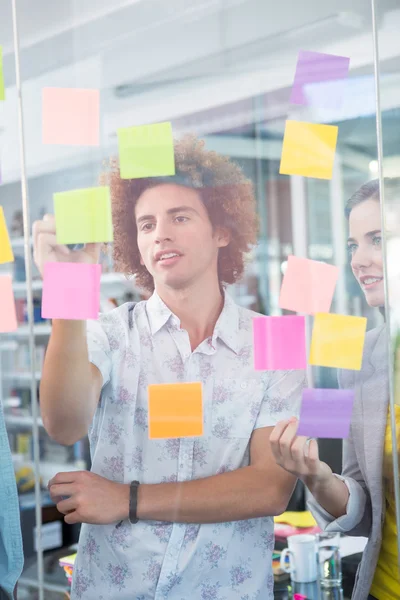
(283, 589)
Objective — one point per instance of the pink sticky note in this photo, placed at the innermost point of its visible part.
(279, 343)
(71, 116)
(308, 286)
(71, 291)
(8, 317)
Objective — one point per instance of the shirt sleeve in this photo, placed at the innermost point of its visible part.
(355, 510)
(282, 397)
(99, 348)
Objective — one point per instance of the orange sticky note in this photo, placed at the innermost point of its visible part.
(175, 410)
(308, 149)
(71, 116)
(308, 286)
(6, 253)
(8, 317)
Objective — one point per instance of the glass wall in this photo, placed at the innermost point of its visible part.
(223, 71)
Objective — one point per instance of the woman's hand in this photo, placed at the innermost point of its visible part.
(298, 454)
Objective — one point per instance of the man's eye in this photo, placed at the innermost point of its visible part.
(181, 219)
(147, 226)
(351, 248)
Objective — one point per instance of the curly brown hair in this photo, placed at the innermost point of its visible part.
(225, 191)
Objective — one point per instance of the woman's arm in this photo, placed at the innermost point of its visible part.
(338, 503)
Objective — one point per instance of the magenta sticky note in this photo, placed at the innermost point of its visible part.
(71, 291)
(326, 413)
(308, 286)
(279, 343)
(320, 79)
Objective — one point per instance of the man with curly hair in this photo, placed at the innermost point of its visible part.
(170, 519)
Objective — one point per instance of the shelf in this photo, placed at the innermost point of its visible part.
(40, 329)
(19, 287)
(21, 421)
(15, 376)
(18, 242)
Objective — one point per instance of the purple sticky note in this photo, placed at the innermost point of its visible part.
(326, 413)
(279, 343)
(71, 291)
(320, 79)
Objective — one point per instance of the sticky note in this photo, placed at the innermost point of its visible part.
(6, 253)
(302, 519)
(308, 149)
(326, 413)
(308, 286)
(337, 341)
(71, 291)
(279, 343)
(2, 88)
(71, 116)
(146, 151)
(8, 316)
(175, 410)
(314, 70)
(83, 216)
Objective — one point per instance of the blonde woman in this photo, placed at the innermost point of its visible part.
(361, 500)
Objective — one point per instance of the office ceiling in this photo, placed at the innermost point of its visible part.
(196, 62)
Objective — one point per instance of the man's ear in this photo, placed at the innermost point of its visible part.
(223, 237)
(141, 261)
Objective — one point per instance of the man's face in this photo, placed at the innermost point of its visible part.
(175, 237)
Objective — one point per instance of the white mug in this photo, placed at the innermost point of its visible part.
(302, 552)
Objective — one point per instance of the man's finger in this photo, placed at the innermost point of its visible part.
(62, 489)
(67, 477)
(72, 518)
(66, 506)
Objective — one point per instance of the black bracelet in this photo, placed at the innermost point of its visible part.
(133, 499)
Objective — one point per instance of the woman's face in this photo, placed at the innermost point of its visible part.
(365, 249)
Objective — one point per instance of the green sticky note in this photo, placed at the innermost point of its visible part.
(2, 89)
(83, 216)
(146, 151)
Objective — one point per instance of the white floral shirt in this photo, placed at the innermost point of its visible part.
(134, 346)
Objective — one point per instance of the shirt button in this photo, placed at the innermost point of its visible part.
(181, 465)
(243, 385)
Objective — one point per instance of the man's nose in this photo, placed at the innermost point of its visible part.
(163, 233)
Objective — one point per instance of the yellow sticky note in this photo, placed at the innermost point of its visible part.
(8, 315)
(2, 88)
(308, 149)
(338, 341)
(175, 410)
(6, 253)
(83, 216)
(296, 519)
(146, 151)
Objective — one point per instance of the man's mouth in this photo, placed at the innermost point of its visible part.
(167, 255)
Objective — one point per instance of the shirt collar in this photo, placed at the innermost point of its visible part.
(158, 313)
(226, 328)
